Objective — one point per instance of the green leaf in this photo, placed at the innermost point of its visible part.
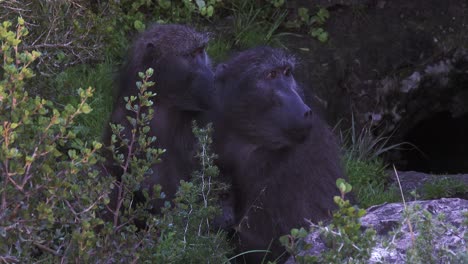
(20, 21)
(138, 25)
(284, 240)
(149, 72)
(210, 11)
(303, 14)
(86, 109)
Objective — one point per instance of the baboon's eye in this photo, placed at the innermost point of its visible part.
(272, 75)
(287, 72)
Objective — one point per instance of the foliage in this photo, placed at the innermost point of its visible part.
(346, 242)
(295, 243)
(44, 211)
(444, 187)
(218, 49)
(255, 24)
(99, 77)
(370, 181)
(425, 229)
(343, 236)
(53, 192)
(188, 236)
(313, 23)
(73, 32)
(364, 166)
(67, 32)
(364, 145)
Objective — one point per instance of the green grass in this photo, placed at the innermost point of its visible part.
(256, 24)
(370, 182)
(364, 166)
(218, 49)
(444, 188)
(100, 77)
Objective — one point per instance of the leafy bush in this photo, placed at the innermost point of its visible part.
(100, 77)
(44, 210)
(313, 23)
(53, 193)
(66, 32)
(346, 241)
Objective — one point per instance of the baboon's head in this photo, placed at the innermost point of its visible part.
(260, 99)
(182, 69)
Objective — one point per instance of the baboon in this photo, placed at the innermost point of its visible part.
(282, 159)
(185, 90)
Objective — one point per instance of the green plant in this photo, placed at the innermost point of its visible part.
(276, 3)
(66, 32)
(425, 229)
(444, 187)
(344, 234)
(346, 241)
(255, 24)
(187, 236)
(295, 243)
(99, 77)
(364, 145)
(53, 192)
(313, 23)
(183, 232)
(44, 211)
(370, 181)
(364, 167)
(218, 49)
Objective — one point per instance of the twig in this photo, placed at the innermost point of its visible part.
(410, 227)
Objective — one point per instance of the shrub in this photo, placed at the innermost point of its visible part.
(44, 210)
(52, 192)
(346, 242)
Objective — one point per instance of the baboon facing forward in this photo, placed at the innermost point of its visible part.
(281, 157)
(184, 88)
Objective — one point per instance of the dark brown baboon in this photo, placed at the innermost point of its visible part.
(281, 157)
(185, 90)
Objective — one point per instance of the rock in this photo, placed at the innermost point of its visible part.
(386, 59)
(396, 241)
(417, 181)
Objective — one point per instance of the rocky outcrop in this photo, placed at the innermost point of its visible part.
(456, 186)
(435, 230)
(379, 50)
(390, 63)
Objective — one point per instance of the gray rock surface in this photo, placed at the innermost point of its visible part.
(395, 238)
(415, 181)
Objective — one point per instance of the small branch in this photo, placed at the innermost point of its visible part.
(51, 251)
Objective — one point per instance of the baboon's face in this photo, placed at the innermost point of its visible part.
(187, 80)
(268, 109)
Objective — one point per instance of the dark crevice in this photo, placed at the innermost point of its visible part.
(442, 143)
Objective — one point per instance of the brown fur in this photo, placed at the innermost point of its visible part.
(184, 88)
(279, 178)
